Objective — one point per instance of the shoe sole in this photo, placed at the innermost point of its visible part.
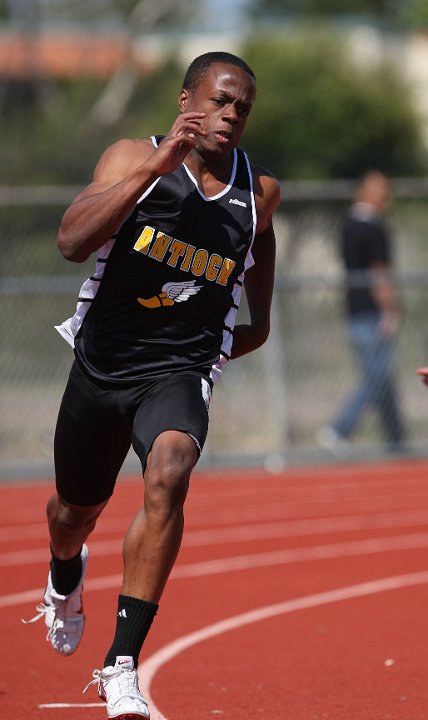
(128, 716)
(124, 716)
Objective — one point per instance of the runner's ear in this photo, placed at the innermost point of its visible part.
(182, 100)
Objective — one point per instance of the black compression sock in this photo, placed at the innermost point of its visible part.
(65, 574)
(134, 618)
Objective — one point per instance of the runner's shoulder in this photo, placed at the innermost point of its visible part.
(266, 185)
(123, 156)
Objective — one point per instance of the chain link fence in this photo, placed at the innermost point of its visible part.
(268, 406)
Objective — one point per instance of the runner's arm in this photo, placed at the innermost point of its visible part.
(124, 172)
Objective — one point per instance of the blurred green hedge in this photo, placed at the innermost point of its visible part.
(317, 115)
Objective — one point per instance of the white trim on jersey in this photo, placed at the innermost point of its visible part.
(70, 327)
(225, 190)
(230, 319)
(249, 262)
(154, 183)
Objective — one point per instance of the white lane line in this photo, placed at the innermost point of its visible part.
(247, 562)
(245, 533)
(294, 528)
(275, 510)
(148, 669)
(317, 552)
(40, 529)
(50, 706)
(273, 504)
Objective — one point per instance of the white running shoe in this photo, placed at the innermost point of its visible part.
(335, 443)
(118, 686)
(63, 614)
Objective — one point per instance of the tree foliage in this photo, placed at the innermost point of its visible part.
(410, 13)
(125, 15)
(48, 136)
(414, 14)
(318, 115)
(323, 7)
(54, 131)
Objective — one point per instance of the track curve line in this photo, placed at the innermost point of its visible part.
(352, 548)
(148, 669)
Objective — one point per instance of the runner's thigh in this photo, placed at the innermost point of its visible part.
(178, 402)
(92, 439)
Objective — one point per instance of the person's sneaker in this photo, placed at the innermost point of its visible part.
(63, 614)
(118, 687)
(335, 443)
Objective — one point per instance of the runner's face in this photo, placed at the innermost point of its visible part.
(226, 94)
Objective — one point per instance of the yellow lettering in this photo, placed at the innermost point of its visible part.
(214, 265)
(185, 265)
(143, 242)
(225, 271)
(160, 246)
(177, 249)
(199, 263)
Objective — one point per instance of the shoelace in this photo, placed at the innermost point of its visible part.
(57, 624)
(97, 675)
(42, 609)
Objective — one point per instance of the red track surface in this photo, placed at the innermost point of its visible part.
(334, 561)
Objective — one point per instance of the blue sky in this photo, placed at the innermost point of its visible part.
(224, 13)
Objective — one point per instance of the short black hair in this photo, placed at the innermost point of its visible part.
(202, 63)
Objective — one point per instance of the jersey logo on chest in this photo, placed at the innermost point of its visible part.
(183, 256)
(172, 292)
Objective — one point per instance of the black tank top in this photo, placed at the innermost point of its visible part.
(167, 287)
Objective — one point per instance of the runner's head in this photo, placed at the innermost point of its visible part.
(199, 66)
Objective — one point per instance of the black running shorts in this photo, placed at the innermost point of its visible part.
(97, 422)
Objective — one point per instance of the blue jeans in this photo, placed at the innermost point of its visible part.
(374, 355)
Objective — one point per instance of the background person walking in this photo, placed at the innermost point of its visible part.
(373, 317)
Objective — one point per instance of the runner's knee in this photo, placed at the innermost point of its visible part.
(168, 470)
(72, 518)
